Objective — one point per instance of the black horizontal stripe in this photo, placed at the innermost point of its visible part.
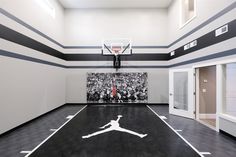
(133, 57)
(30, 59)
(21, 39)
(211, 19)
(208, 21)
(195, 60)
(208, 40)
(202, 42)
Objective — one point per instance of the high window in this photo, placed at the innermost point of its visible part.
(47, 6)
(188, 11)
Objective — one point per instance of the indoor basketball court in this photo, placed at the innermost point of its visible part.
(117, 78)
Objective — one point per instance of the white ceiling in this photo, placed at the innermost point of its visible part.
(115, 3)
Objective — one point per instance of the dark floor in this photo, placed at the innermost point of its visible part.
(159, 139)
(200, 136)
(29, 136)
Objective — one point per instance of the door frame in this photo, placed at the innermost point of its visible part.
(219, 90)
(197, 96)
(191, 90)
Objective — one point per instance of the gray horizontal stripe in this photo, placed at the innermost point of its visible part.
(221, 13)
(205, 58)
(100, 47)
(9, 15)
(149, 47)
(111, 67)
(27, 58)
(200, 59)
(82, 47)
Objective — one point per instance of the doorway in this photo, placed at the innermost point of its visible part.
(181, 98)
(206, 96)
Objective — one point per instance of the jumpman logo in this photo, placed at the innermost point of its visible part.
(114, 126)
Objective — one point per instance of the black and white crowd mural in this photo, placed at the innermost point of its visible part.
(117, 88)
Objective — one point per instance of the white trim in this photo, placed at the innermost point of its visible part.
(176, 132)
(70, 116)
(163, 117)
(205, 153)
(53, 133)
(25, 152)
(207, 116)
(197, 96)
(228, 117)
(191, 102)
(53, 129)
(218, 93)
(212, 63)
(179, 130)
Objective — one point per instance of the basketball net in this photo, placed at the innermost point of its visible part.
(116, 50)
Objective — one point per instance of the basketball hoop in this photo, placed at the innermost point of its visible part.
(116, 50)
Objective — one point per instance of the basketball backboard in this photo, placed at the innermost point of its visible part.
(116, 47)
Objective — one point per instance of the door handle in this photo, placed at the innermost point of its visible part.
(171, 94)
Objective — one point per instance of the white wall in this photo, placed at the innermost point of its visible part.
(205, 10)
(91, 26)
(76, 82)
(30, 89)
(38, 88)
(34, 15)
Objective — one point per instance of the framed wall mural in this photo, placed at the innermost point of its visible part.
(117, 88)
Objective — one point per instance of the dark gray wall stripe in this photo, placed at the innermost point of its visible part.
(100, 47)
(200, 59)
(82, 47)
(111, 67)
(133, 57)
(27, 58)
(208, 40)
(11, 35)
(16, 37)
(203, 42)
(221, 13)
(205, 58)
(35, 60)
(11, 16)
(149, 47)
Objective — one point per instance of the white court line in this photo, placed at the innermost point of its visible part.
(205, 153)
(25, 152)
(176, 132)
(70, 116)
(54, 133)
(162, 117)
(53, 129)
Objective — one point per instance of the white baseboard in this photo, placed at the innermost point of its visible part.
(207, 116)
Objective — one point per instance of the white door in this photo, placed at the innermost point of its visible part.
(181, 92)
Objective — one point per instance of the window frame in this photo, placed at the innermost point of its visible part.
(181, 23)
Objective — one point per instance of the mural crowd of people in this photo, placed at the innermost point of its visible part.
(117, 88)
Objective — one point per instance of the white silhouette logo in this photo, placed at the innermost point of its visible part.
(114, 126)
